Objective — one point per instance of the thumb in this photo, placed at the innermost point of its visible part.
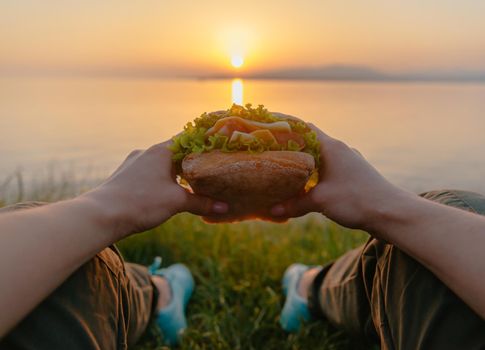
(296, 207)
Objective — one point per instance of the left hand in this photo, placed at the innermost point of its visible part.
(142, 193)
(350, 190)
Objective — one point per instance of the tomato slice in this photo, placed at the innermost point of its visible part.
(229, 125)
(284, 137)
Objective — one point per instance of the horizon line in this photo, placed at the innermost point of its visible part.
(331, 72)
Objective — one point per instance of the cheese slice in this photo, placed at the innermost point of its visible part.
(242, 137)
(265, 135)
(230, 124)
(280, 126)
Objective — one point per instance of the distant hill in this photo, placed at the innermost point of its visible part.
(331, 72)
(443, 75)
(340, 72)
(334, 72)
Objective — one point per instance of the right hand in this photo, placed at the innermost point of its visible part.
(350, 190)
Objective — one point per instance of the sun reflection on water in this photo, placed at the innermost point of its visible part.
(237, 91)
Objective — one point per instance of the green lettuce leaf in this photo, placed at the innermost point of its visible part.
(193, 139)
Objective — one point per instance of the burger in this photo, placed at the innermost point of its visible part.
(247, 157)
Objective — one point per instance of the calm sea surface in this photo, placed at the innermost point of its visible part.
(421, 136)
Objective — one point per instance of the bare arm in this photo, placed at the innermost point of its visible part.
(41, 247)
(448, 241)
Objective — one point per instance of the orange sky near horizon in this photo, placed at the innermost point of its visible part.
(202, 36)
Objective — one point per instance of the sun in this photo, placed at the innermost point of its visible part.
(237, 61)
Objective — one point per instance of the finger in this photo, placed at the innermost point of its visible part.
(275, 219)
(320, 134)
(225, 219)
(357, 151)
(165, 144)
(135, 153)
(128, 160)
(219, 219)
(203, 206)
(286, 116)
(296, 207)
(162, 149)
(164, 153)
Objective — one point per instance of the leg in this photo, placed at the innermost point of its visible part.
(340, 293)
(381, 293)
(140, 300)
(106, 304)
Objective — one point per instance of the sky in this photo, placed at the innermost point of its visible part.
(193, 37)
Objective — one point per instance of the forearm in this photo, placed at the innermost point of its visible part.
(446, 240)
(41, 247)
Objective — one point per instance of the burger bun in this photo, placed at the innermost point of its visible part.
(251, 183)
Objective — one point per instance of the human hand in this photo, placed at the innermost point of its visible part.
(350, 190)
(142, 193)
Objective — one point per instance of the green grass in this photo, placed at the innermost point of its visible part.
(238, 269)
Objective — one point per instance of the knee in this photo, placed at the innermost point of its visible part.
(94, 287)
(109, 259)
(22, 205)
(470, 201)
(388, 269)
(84, 310)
